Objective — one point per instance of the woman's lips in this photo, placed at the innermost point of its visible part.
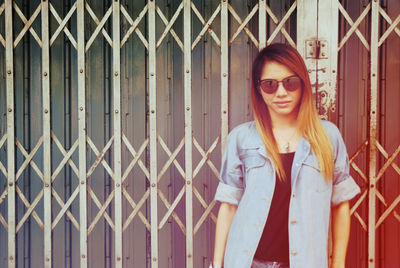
(282, 104)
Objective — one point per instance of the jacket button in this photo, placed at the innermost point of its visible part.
(293, 221)
(294, 252)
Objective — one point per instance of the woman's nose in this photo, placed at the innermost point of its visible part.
(281, 91)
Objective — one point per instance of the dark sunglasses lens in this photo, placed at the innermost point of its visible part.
(269, 86)
(292, 83)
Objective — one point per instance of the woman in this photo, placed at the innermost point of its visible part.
(283, 176)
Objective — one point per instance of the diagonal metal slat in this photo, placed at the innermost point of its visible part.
(166, 149)
(136, 209)
(100, 26)
(62, 25)
(388, 163)
(204, 216)
(100, 206)
(391, 28)
(100, 157)
(30, 209)
(2, 168)
(28, 158)
(67, 156)
(174, 215)
(170, 24)
(2, 8)
(172, 157)
(206, 157)
(276, 21)
(387, 18)
(172, 31)
(134, 26)
(354, 26)
(28, 24)
(4, 222)
(387, 211)
(280, 26)
(136, 158)
(206, 26)
(172, 208)
(242, 24)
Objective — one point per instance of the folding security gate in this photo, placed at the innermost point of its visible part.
(114, 114)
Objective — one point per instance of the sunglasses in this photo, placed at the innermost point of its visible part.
(270, 86)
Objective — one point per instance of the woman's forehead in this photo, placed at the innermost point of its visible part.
(275, 70)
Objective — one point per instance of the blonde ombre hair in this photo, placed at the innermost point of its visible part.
(309, 124)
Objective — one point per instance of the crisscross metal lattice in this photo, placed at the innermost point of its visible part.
(154, 157)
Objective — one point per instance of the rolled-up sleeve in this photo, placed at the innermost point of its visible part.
(230, 188)
(344, 186)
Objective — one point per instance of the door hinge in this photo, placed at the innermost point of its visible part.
(316, 49)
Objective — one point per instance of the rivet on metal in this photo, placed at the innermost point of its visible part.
(11, 258)
(10, 184)
(45, 73)
(9, 71)
(154, 259)
(152, 111)
(189, 255)
(187, 71)
(81, 108)
(46, 111)
(116, 111)
(46, 185)
(187, 108)
(47, 259)
(152, 74)
(153, 185)
(83, 256)
(224, 111)
(118, 258)
(371, 260)
(81, 71)
(372, 186)
(117, 185)
(116, 73)
(373, 75)
(82, 182)
(188, 182)
(9, 110)
(225, 75)
(333, 71)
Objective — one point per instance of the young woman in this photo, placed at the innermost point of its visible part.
(283, 176)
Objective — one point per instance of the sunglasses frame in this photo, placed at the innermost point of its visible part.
(277, 84)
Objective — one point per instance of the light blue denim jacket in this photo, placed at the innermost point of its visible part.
(248, 180)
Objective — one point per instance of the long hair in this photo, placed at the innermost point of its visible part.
(309, 124)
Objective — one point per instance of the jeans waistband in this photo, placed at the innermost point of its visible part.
(268, 264)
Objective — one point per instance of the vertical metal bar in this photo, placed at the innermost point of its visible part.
(262, 34)
(224, 73)
(306, 31)
(188, 132)
(117, 133)
(10, 134)
(372, 132)
(328, 25)
(82, 134)
(153, 134)
(46, 133)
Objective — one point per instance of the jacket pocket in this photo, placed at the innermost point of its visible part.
(311, 172)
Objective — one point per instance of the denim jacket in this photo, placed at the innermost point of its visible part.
(248, 181)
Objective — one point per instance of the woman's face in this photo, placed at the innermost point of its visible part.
(282, 102)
